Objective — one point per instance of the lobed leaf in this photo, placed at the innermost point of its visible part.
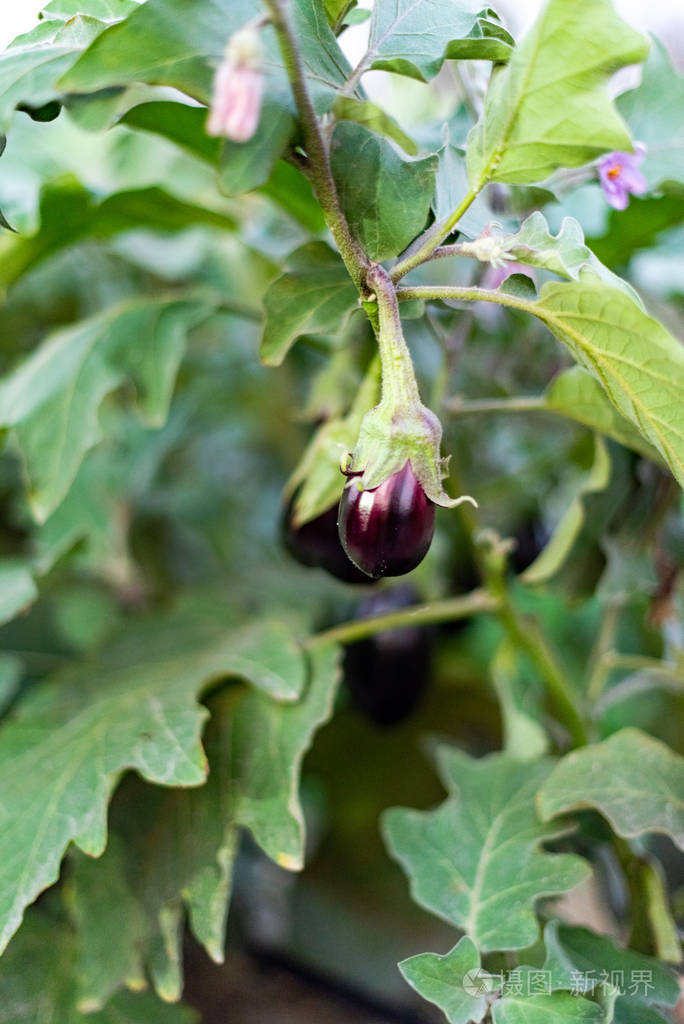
(634, 780)
(475, 860)
(415, 37)
(386, 198)
(134, 708)
(639, 364)
(549, 106)
(52, 398)
(314, 295)
(440, 980)
(175, 849)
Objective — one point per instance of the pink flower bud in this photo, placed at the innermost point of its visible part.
(238, 89)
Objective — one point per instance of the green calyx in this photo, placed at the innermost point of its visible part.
(400, 428)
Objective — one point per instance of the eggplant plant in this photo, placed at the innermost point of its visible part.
(258, 301)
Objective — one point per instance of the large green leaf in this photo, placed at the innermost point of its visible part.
(52, 399)
(314, 295)
(475, 860)
(415, 37)
(31, 66)
(639, 364)
(135, 707)
(635, 781)
(385, 197)
(176, 848)
(651, 113)
(70, 212)
(577, 394)
(636, 228)
(549, 106)
(440, 980)
(50, 949)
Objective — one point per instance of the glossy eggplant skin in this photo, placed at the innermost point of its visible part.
(317, 544)
(388, 530)
(387, 674)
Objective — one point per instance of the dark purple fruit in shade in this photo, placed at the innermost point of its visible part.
(387, 531)
(531, 537)
(317, 544)
(387, 674)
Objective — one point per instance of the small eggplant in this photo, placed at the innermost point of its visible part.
(387, 531)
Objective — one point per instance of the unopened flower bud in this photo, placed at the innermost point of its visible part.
(238, 89)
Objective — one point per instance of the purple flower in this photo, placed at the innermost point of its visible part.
(238, 89)
(619, 175)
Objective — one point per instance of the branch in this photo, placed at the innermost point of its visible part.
(474, 603)
(321, 176)
(521, 403)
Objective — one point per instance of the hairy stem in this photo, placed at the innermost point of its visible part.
(321, 177)
(399, 387)
(474, 603)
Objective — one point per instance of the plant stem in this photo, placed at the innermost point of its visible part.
(455, 294)
(525, 632)
(423, 248)
(521, 403)
(399, 387)
(321, 176)
(474, 603)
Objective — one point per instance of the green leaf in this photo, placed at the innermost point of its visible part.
(69, 212)
(67, 744)
(50, 948)
(439, 979)
(639, 364)
(542, 1009)
(314, 295)
(556, 552)
(578, 957)
(549, 107)
(385, 197)
(110, 925)
(52, 398)
(415, 37)
(106, 10)
(17, 588)
(577, 394)
(179, 846)
(317, 480)
(564, 254)
(650, 110)
(346, 108)
(451, 185)
(32, 64)
(635, 781)
(475, 860)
